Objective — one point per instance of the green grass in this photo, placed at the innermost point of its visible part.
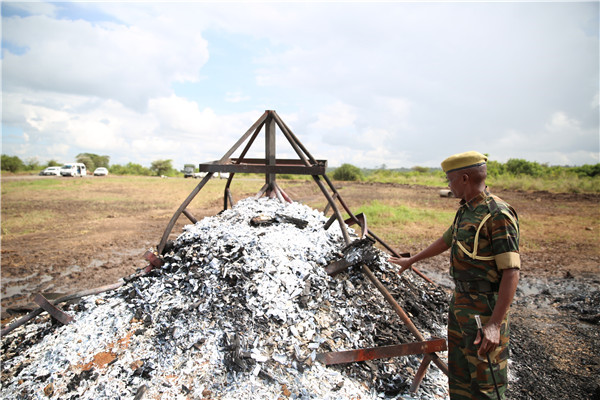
(567, 183)
(560, 183)
(25, 223)
(379, 213)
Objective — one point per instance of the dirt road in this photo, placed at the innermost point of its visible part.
(555, 316)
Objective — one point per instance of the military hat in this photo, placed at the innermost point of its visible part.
(463, 160)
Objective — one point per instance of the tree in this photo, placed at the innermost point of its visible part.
(87, 160)
(32, 164)
(161, 167)
(130, 169)
(347, 172)
(517, 166)
(53, 163)
(93, 161)
(421, 170)
(11, 163)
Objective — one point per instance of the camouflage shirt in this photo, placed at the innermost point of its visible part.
(484, 239)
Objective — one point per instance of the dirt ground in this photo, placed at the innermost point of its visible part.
(554, 319)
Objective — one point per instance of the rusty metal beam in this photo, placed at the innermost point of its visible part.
(58, 314)
(241, 140)
(281, 167)
(284, 194)
(189, 215)
(270, 149)
(294, 142)
(228, 197)
(23, 320)
(152, 259)
(336, 211)
(400, 312)
(237, 161)
(292, 138)
(374, 353)
(261, 191)
(427, 358)
(167, 232)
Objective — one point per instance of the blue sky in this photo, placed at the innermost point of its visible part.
(366, 83)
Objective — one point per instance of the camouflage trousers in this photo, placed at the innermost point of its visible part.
(469, 376)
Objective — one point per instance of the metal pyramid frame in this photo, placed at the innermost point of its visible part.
(306, 164)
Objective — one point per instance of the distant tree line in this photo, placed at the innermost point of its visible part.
(91, 161)
(515, 167)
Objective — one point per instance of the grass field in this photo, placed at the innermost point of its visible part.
(405, 215)
(61, 235)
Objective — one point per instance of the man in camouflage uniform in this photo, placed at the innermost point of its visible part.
(484, 263)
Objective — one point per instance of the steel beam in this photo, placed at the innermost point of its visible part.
(374, 353)
(58, 314)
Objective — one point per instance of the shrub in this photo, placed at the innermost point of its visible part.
(11, 163)
(347, 172)
(130, 169)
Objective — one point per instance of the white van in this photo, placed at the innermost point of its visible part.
(73, 169)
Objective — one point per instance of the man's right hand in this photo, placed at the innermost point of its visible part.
(404, 262)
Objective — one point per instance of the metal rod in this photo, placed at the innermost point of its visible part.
(296, 145)
(167, 232)
(400, 312)
(427, 358)
(245, 136)
(329, 221)
(228, 194)
(270, 148)
(278, 193)
(58, 314)
(261, 191)
(238, 161)
(283, 126)
(284, 194)
(190, 216)
(326, 209)
(23, 320)
(336, 211)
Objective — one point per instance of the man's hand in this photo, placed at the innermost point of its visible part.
(404, 262)
(491, 339)
(491, 330)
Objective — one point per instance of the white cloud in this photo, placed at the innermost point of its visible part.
(104, 60)
(368, 83)
(560, 122)
(236, 97)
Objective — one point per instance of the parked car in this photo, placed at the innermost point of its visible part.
(51, 171)
(100, 171)
(74, 169)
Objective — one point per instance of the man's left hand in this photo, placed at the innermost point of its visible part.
(491, 339)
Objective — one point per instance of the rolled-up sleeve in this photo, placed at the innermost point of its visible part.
(505, 239)
(508, 260)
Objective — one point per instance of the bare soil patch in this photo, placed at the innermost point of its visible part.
(555, 317)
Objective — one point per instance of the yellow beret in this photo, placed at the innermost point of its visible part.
(463, 160)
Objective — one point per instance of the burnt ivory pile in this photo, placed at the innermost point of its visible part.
(238, 310)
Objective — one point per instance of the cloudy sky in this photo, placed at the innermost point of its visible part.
(366, 83)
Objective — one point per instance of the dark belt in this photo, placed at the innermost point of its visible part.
(475, 286)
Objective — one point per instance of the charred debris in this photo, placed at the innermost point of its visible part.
(267, 299)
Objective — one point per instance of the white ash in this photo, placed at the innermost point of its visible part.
(236, 311)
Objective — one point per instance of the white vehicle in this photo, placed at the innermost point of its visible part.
(51, 171)
(73, 169)
(100, 171)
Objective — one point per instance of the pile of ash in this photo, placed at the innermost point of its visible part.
(238, 310)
